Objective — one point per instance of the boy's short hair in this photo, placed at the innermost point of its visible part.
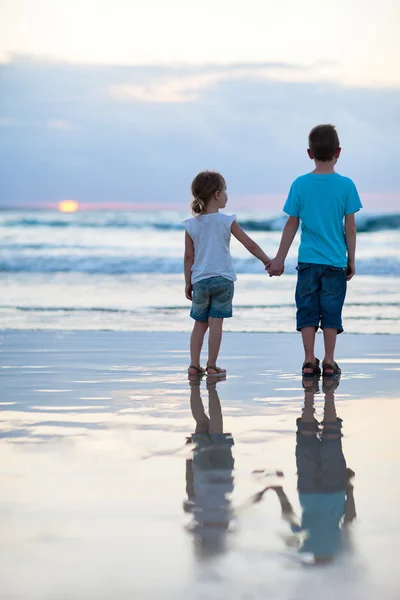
(323, 142)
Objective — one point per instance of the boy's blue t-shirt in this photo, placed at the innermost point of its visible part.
(321, 202)
(321, 518)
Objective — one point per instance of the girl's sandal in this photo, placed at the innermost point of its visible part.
(217, 370)
(192, 371)
(330, 367)
(315, 369)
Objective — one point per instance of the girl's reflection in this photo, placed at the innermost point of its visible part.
(209, 474)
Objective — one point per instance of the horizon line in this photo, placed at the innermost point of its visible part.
(387, 202)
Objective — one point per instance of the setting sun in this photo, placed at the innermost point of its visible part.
(68, 206)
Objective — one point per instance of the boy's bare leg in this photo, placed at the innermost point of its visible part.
(308, 335)
(330, 415)
(307, 415)
(331, 424)
(214, 340)
(307, 424)
(196, 342)
(330, 336)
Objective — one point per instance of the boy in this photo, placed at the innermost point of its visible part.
(321, 200)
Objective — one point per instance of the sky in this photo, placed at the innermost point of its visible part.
(121, 103)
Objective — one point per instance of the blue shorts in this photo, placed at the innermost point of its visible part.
(212, 297)
(320, 294)
(321, 466)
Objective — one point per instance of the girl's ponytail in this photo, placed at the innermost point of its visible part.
(197, 206)
(204, 186)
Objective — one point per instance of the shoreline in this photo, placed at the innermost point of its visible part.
(183, 331)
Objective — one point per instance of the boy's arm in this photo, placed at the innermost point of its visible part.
(187, 265)
(288, 234)
(248, 243)
(351, 235)
(350, 509)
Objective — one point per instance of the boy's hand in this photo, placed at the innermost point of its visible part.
(188, 291)
(275, 267)
(351, 271)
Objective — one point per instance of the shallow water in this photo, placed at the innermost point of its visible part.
(123, 271)
(156, 302)
(94, 457)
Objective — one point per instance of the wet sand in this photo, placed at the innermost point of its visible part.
(100, 485)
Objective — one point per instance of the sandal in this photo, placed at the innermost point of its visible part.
(199, 370)
(310, 384)
(330, 367)
(217, 370)
(330, 383)
(314, 366)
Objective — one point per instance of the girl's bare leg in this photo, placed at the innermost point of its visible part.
(214, 407)
(198, 412)
(196, 343)
(214, 340)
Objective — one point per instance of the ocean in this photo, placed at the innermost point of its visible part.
(123, 271)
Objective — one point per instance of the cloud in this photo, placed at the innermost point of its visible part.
(59, 124)
(188, 86)
(165, 91)
(139, 134)
(6, 122)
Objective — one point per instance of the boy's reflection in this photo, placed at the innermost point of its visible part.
(324, 482)
(209, 474)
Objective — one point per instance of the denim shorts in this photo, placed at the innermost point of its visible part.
(320, 294)
(212, 297)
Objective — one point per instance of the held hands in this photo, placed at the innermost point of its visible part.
(188, 291)
(276, 266)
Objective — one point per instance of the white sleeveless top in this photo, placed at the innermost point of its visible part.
(211, 235)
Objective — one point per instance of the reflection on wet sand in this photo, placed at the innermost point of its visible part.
(93, 479)
(209, 473)
(324, 482)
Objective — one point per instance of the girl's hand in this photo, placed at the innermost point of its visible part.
(188, 291)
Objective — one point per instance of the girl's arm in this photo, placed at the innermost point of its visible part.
(248, 243)
(288, 513)
(187, 265)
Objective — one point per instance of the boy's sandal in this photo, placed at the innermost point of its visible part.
(197, 370)
(310, 385)
(330, 367)
(217, 370)
(330, 384)
(314, 366)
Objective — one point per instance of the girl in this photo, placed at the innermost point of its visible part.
(208, 266)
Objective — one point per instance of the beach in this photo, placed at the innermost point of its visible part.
(159, 162)
(94, 460)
